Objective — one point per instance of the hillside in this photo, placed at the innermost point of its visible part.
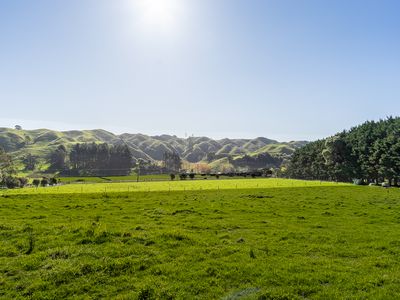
(258, 152)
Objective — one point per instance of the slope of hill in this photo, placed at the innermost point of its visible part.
(41, 142)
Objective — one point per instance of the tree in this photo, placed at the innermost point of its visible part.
(121, 161)
(28, 140)
(58, 159)
(101, 159)
(338, 158)
(172, 176)
(6, 166)
(267, 172)
(11, 182)
(53, 181)
(369, 152)
(18, 127)
(172, 161)
(23, 181)
(36, 182)
(395, 159)
(44, 182)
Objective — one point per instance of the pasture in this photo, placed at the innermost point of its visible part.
(231, 239)
(178, 185)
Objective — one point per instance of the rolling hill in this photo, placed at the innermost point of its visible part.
(227, 152)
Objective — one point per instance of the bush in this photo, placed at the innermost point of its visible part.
(53, 181)
(192, 175)
(36, 182)
(172, 176)
(11, 182)
(44, 182)
(183, 176)
(23, 181)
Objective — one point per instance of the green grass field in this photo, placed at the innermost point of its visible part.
(179, 185)
(261, 239)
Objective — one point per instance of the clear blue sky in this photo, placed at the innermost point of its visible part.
(300, 69)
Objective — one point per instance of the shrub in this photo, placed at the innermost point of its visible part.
(36, 182)
(44, 182)
(23, 181)
(192, 175)
(172, 176)
(53, 181)
(183, 176)
(11, 182)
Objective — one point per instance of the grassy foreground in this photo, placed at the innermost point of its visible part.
(281, 242)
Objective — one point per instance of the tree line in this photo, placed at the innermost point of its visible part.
(172, 162)
(368, 153)
(91, 159)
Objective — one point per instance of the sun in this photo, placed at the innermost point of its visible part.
(159, 15)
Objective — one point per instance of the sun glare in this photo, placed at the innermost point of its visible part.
(159, 15)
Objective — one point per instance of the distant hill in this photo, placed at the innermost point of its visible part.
(226, 151)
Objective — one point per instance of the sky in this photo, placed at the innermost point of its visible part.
(287, 70)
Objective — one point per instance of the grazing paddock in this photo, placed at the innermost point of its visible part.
(265, 239)
(179, 185)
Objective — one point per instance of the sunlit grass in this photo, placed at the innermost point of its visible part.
(287, 242)
(177, 185)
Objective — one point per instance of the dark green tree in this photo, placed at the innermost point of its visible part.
(172, 162)
(58, 159)
(7, 169)
(101, 159)
(369, 152)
